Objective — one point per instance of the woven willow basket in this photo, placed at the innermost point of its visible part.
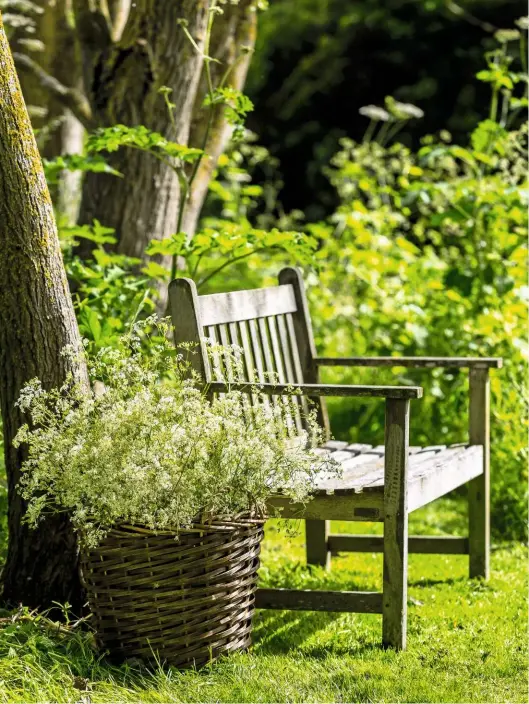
(187, 601)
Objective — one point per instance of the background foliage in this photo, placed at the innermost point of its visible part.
(412, 246)
(318, 61)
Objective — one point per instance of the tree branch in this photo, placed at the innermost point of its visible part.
(232, 41)
(119, 12)
(71, 98)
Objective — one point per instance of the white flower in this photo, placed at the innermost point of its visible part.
(405, 111)
(507, 35)
(374, 113)
(153, 449)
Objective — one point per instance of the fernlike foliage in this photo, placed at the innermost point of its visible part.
(150, 448)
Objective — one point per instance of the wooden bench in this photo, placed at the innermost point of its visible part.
(272, 327)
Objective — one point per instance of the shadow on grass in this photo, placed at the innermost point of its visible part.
(423, 582)
(283, 632)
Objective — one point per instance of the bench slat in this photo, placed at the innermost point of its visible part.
(218, 308)
(319, 600)
(364, 473)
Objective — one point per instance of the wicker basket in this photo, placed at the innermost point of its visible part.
(186, 601)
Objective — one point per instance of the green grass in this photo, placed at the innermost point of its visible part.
(467, 640)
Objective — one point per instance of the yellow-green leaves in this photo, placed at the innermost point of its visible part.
(213, 249)
(76, 162)
(110, 139)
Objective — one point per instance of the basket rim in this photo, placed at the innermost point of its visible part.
(199, 525)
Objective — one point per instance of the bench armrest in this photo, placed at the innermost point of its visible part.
(396, 392)
(416, 362)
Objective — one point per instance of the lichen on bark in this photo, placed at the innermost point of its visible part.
(37, 321)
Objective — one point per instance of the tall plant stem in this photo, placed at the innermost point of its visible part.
(368, 136)
(523, 50)
(228, 263)
(494, 104)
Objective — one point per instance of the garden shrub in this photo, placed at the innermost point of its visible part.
(426, 254)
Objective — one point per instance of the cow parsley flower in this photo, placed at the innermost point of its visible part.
(375, 113)
(153, 448)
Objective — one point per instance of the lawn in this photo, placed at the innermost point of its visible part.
(467, 640)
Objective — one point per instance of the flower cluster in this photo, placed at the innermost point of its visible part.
(148, 446)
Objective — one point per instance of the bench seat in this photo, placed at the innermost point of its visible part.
(432, 471)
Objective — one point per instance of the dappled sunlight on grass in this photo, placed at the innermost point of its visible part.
(467, 639)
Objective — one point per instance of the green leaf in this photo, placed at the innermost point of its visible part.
(170, 246)
(76, 162)
(487, 136)
(92, 321)
(155, 271)
(110, 139)
(94, 233)
(237, 105)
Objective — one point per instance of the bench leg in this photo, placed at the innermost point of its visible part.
(479, 488)
(395, 579)
(317, 543)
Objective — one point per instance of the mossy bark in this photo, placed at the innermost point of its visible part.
(37, 321)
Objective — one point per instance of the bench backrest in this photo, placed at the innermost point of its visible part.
(271, 326)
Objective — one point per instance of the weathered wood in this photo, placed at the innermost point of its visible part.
(437, 474)
(226, 355)
(291, 277)
(217, 308)
(432, 472)
(215, 363)
(479, 487)
(290, 376)
(257, 352)
(269, 370)
(442, 476)
(252, 353)
(316, 543)
(277, 357)
(336, 444)
(356, 473)
(249, 366)
(395, 577)
(316, 600)
(394, 392)
(379, 484)
(351, 507)
(418, 362)
(188, 326)
(423, 544)
(422, 464)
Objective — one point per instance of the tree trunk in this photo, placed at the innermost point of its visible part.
(37, 321)
(59, 130)
(124, 88)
